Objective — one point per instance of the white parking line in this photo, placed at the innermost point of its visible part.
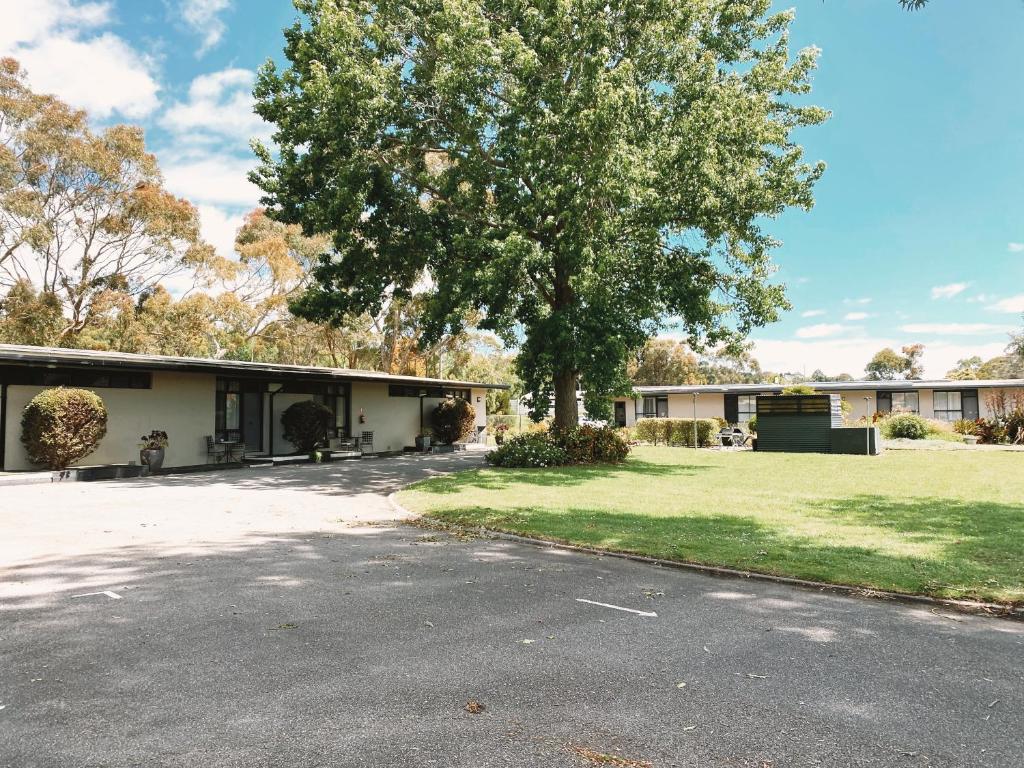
(617, 607)
(106, 592)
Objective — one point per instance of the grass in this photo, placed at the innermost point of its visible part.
(947, 524)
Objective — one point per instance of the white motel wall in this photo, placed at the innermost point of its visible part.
(185, 403)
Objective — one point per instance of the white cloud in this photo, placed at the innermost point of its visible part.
(204, 19)
(1014, 304)
(813, 313)
(856, 316)
(219, 227)
(819, 331)
(212, 179)
(857, 302)
(57, 43)
(852, 354)
(1015, 247)
(948, 291)
(20, 25)
(956, 329)
(219, 105)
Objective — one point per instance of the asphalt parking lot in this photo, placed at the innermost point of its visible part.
(275, 618)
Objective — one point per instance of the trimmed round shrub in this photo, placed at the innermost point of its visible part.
(305, 424)
(531, 449)
(905, 425)
(453, 419)
(592, 445)
(61, 426)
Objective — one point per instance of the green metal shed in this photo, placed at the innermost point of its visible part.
(798, 423)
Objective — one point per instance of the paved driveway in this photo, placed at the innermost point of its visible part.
(268, 618)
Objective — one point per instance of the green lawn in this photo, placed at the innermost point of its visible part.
(949, 524)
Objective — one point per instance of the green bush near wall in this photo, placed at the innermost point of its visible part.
(662, 431)
(60, 426)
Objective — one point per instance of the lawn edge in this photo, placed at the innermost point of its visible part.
(973, 607)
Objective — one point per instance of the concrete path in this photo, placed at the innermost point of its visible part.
(271, 619)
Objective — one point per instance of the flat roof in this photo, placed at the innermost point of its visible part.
(901, 385)
(52, 357)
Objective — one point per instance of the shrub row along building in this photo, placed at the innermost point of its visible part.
(197, 401)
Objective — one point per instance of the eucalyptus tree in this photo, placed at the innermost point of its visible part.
(573, 173)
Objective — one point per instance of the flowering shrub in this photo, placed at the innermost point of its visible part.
(579, 445)
(532, 449)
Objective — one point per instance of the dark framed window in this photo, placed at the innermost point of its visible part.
(75, 377)
(948, 405)
(228, 409)
(898, 402)
(654, 407)
(337, 399)
(906, 402)
(746, 408)
(406, 390)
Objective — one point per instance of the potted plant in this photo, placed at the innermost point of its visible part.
(423, 440)
(499, 432)
(152, 449)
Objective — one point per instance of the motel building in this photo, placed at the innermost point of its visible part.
(945, 399)
(205, 405)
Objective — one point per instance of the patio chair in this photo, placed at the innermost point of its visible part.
(214, 451)
(366, 440)
(345, 444)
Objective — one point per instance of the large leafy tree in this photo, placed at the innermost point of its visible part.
(889, 364)
(571, 173)
(83, 213)
(664, 362)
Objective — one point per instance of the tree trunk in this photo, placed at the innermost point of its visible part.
(567, 412)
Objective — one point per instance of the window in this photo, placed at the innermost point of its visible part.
(905, 402)
(404, 390)
(228, 408)
(655, 407)
(948, 406)
(338, 403)
(73, 377)
(747, 408)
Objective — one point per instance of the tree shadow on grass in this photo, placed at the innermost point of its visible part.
(976, 549)
(496, 478)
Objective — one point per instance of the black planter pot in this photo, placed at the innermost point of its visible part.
(153, 458)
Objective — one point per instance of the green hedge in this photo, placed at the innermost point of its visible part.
(661, 431)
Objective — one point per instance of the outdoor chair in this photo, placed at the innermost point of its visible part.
(214, 451)
(345, 444)
(733, 437)
(366, 440)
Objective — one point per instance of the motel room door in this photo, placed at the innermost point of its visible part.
(620, 414)
(969, 404)
(252, 421)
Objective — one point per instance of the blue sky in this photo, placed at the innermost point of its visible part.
(917, 235)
